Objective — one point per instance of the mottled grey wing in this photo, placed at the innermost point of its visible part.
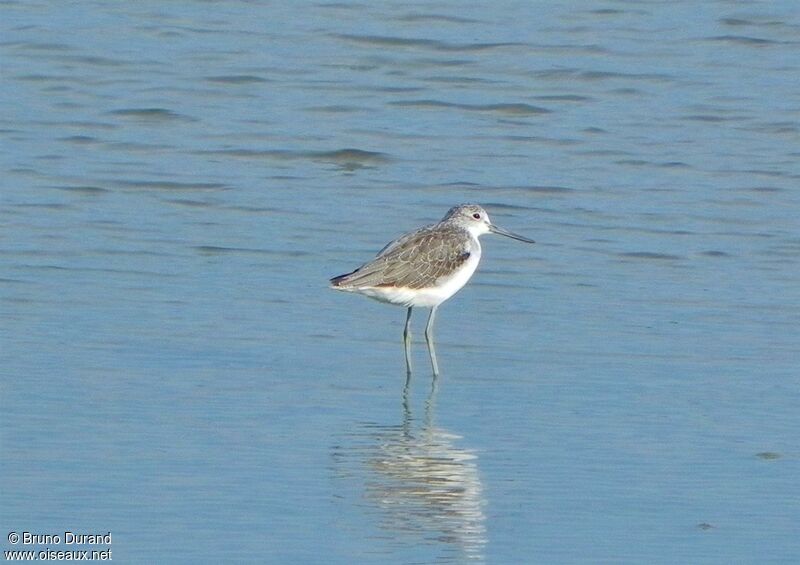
(403, 238)
(417, 260)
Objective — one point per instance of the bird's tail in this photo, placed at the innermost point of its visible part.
(340, 282)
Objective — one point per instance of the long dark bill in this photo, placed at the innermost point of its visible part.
(494, 229)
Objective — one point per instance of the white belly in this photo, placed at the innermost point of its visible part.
(426, 297)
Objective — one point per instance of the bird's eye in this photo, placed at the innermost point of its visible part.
(476, 215)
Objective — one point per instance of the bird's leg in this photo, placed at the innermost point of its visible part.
(429, 339)
(407, 343)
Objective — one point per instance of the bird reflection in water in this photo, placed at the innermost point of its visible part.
(426, 490)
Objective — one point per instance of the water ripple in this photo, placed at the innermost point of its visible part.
(520, 109)
(348, 156)
(237, 79)
(169, 185)
(151, 115)
(649, 255)
(435, 18)
(392, 41)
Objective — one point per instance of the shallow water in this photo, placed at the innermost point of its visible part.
(180, 179)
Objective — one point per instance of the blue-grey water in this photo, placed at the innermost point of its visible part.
(178, 180)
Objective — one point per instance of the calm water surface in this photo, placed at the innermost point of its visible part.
(179, 179)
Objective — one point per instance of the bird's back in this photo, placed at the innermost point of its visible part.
(420, 259)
